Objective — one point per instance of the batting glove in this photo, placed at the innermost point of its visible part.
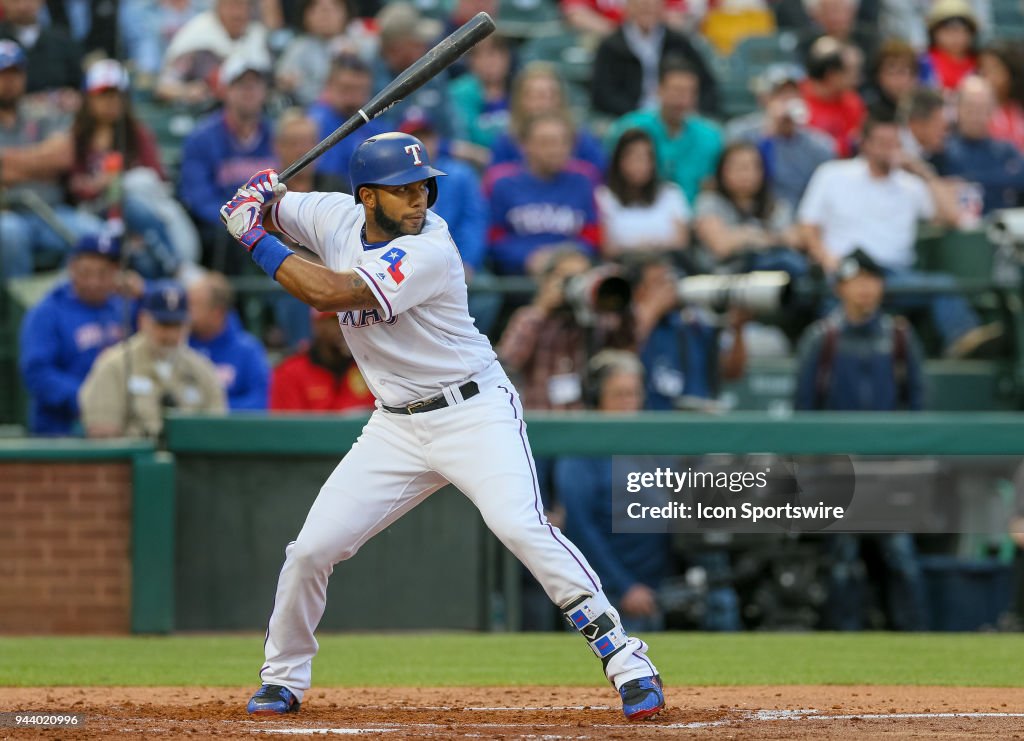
(243, 217)
(265, 183)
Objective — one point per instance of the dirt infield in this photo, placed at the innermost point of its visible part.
(783, 712)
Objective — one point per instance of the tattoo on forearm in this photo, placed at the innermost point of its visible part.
(361, 294)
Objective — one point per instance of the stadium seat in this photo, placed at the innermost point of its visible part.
(718, 64)
(574, 62)
(754, 53)
(529, 19)
(967, 255)
(170, 125)
(437, 9)
(1007, 12)
(724, 29)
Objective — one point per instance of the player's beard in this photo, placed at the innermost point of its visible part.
(389, 226)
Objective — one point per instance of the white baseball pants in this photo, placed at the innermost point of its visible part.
(480, 446)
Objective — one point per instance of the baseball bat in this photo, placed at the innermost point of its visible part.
(429, 65)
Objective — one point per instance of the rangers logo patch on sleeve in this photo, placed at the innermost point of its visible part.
(398, 266)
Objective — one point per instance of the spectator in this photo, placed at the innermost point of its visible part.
(837, 19)
(861, 359)
(894, 76)
(686, 144)
(220, 154)
(907, 19)
(328, 31)
(62, 335)
(679, 346)
(599, 18)
(323, 378)
(830, 94)
(90, 24)
(741, 222)
(294, 135)
(923, 137)
(547, 202)
(537, 89)
(925, 126)
(34, 157)
(791, 150)
(54, 59)
(546, 346)
(217, 334)
(627, 67)
(973, 155)
(405, 36)
(200, 48)
(638, 210)
(870, 203)
(348, 88)
(117, 174)
(795, 14)
(952, 36)
(147, 29)
(480, 98)
(631, 566)
(1002, 65)
(462, 204)
(134, 383)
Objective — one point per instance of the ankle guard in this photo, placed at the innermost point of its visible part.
(594, 618)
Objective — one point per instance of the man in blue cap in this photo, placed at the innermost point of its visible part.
(135, 382)
(63, 334)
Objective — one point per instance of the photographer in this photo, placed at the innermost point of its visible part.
(547, 343)
(862, 359)
(791, 150)
(679, 346)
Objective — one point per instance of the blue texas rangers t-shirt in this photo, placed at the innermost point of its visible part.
(528, 213)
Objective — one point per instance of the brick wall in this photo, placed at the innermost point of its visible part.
(65, 547)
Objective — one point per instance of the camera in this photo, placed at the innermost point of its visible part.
(796, 111)
(760, 292)
(597, 291)
(1006, 229)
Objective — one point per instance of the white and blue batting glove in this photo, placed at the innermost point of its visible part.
(243, 217)
(266, 184)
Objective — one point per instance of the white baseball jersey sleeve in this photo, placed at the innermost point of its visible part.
(423, 338)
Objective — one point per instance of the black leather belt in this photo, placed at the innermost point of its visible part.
(468, 391)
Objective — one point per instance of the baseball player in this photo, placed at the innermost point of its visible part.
(445, 409)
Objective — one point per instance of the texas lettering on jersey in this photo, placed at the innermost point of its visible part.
(404, 345)
(359, 318)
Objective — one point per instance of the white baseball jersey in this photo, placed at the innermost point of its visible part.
(423, 338)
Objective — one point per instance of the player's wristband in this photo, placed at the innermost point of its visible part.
(269, 253)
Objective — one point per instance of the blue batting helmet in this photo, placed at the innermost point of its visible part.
(392, 159)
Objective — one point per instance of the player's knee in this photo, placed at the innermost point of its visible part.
(309, 556)
(513, 536)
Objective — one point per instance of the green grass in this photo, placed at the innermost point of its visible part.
(447, 659)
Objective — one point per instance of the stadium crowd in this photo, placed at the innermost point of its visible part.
(810, 137)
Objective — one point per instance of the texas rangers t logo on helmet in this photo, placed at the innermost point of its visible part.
(414, 150)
